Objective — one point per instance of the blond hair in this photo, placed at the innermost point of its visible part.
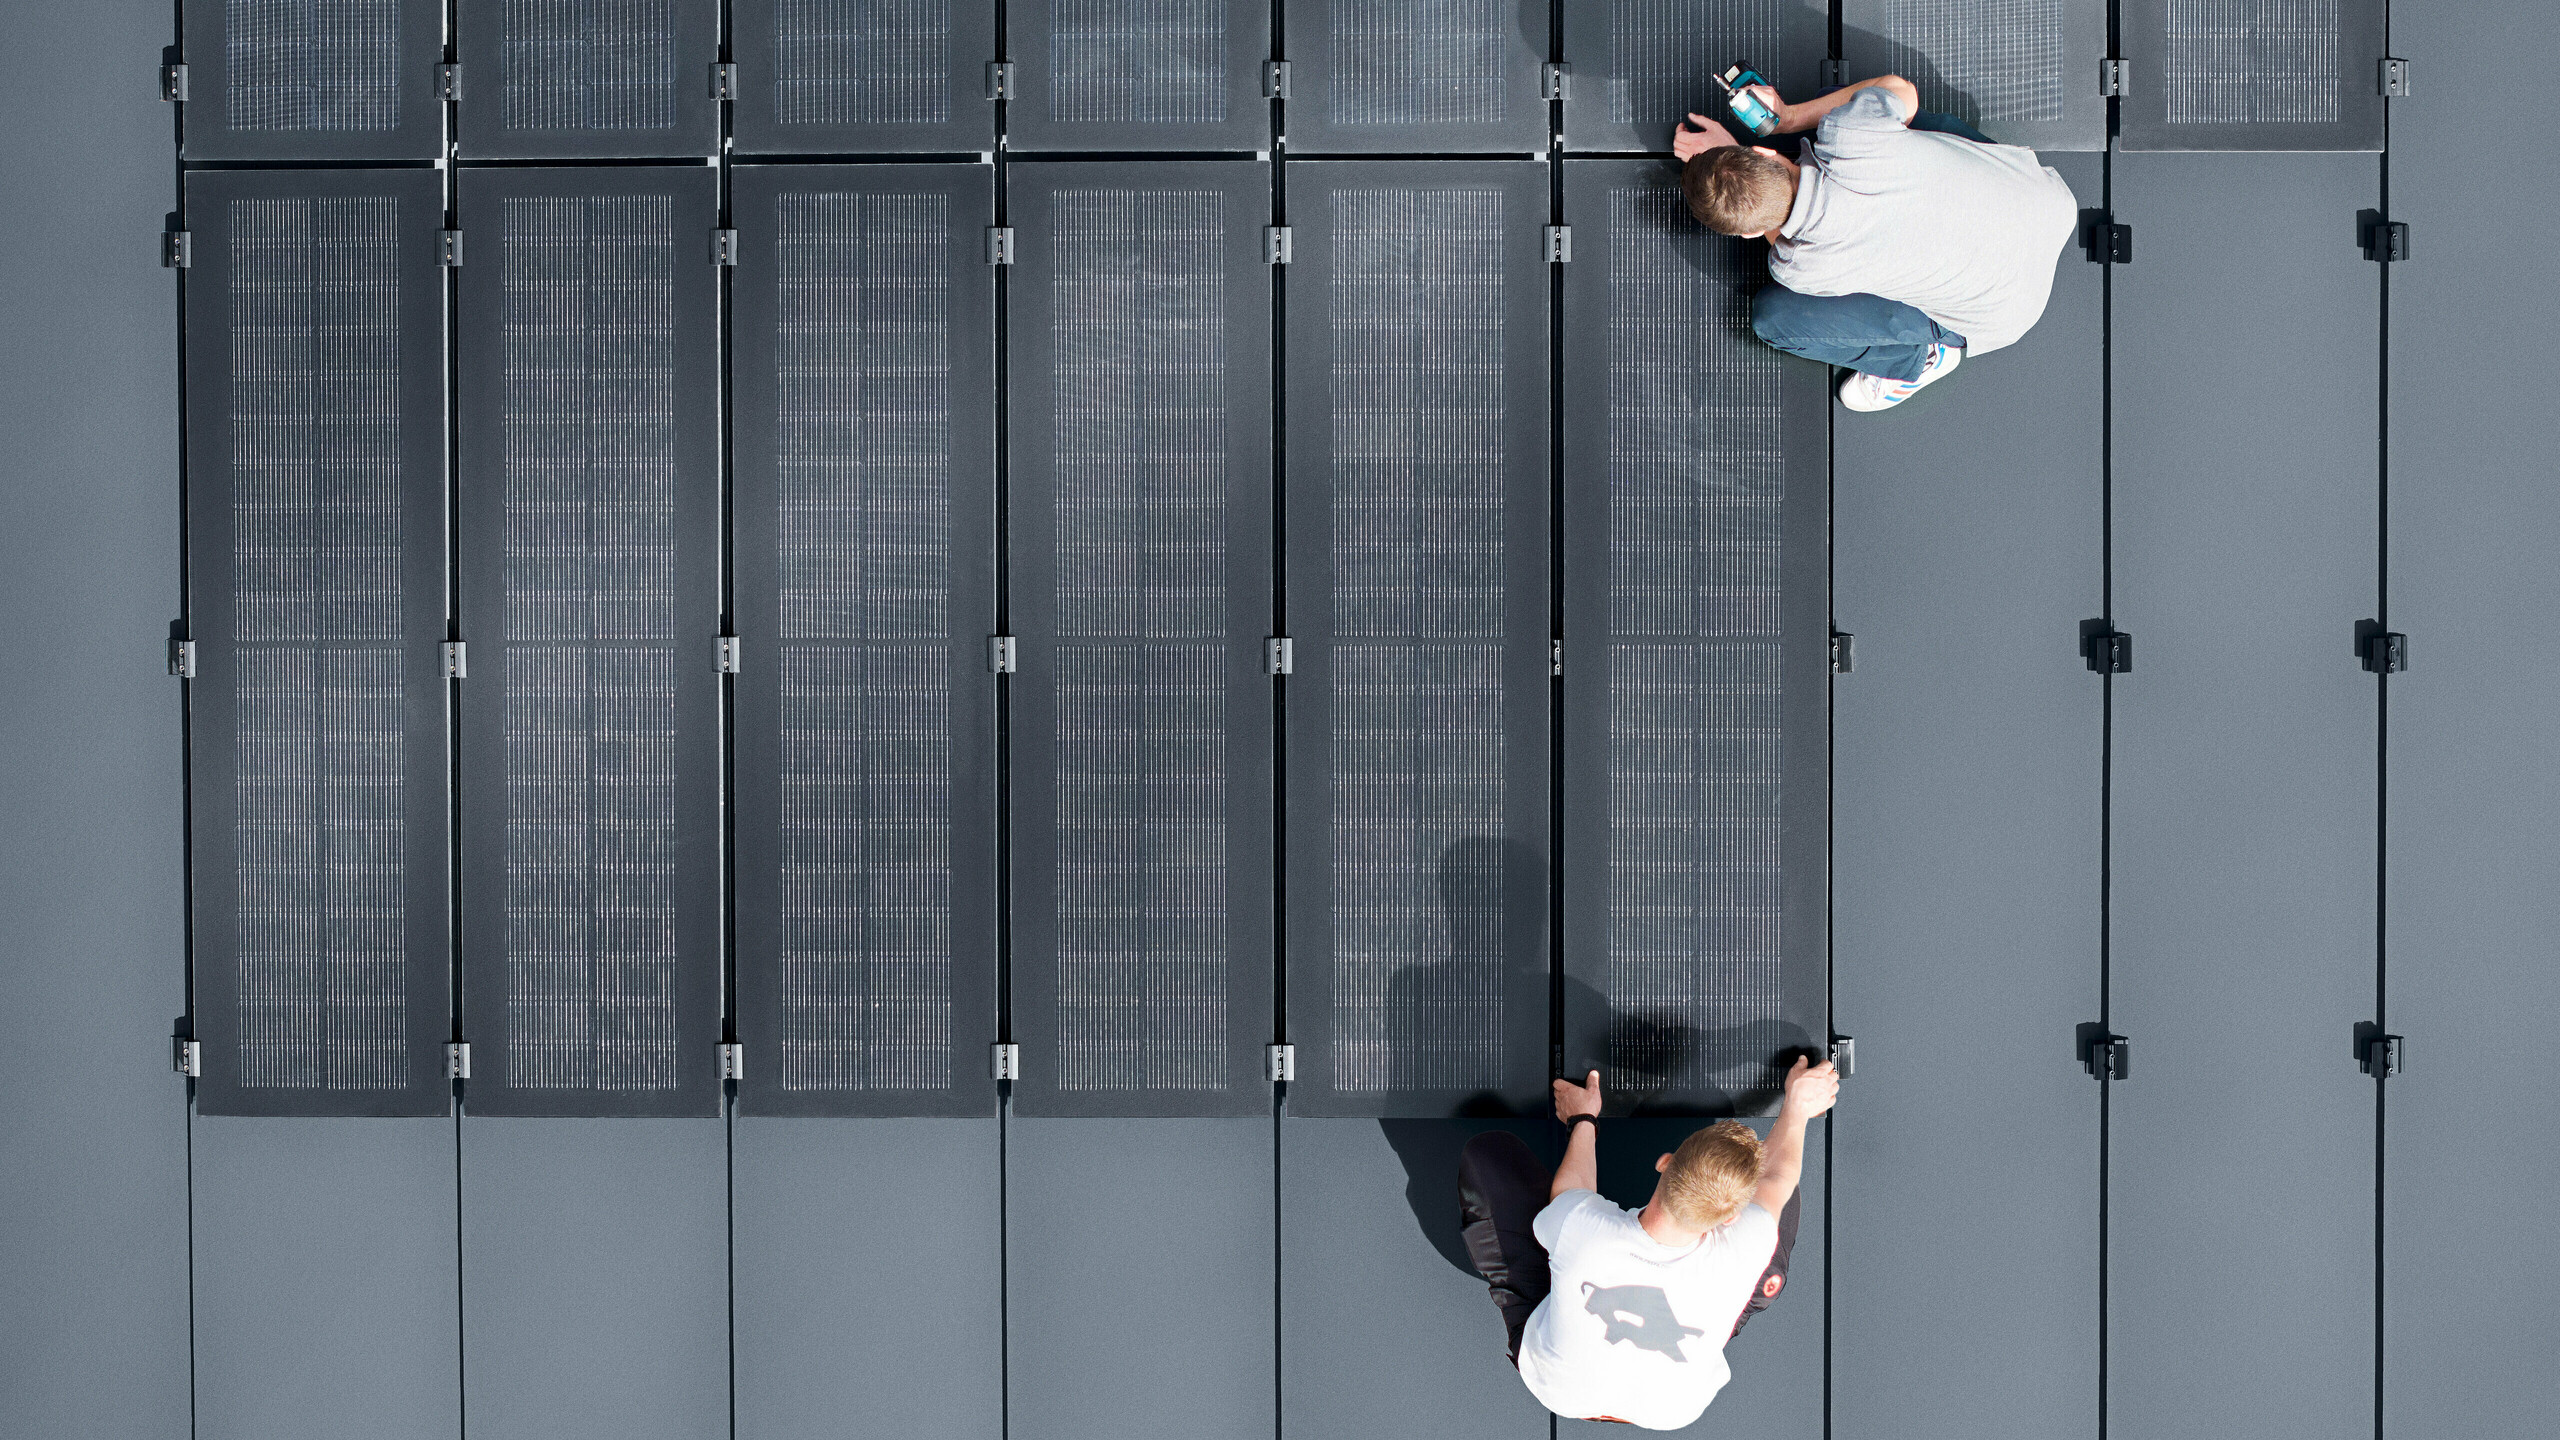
(1734, 190)
(1712, 1175)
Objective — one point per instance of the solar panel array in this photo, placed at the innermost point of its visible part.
(1138, 538)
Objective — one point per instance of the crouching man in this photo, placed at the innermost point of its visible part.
(1901, 242)
(1619, 1314)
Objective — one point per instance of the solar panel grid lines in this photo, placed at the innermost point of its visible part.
(1695, 521)
(1142, 61)
(1431, 76)
(861, 62)
(1417, 312)
(319, 764)
(1992, 60)
(316, 427)
(1140, 595)
(331, 65)
(1142, 631)
(2252, 61)
(1693, 893)
(581, 335)
(863, 371)
(1418, 590)
(865, 752)
(1437, 62)
(588, 64)
(1661, 52)
(591, 479)
(2264, 75)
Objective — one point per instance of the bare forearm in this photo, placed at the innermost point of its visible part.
(1782, 1163)
(1803, 115)
(1581, 1167)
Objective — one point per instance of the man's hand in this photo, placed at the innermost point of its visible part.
(1688, 144)
(1811, 1090)
(1572, 1099)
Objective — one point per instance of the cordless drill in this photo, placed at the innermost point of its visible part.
(1748, 108)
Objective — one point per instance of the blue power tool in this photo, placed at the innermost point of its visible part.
(1748, 108)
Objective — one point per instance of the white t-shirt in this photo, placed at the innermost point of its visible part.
(1631, 1328)
(1964, 232)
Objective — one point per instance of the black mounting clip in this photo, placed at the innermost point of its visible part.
(2103, 1053)
(2380, 651)
(2106, 650)
(1844, 652)
(2377, 1053)
(2107, 242)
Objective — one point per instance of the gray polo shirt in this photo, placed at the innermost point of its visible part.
(1964, 232)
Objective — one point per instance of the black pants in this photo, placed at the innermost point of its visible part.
(1501, 1189)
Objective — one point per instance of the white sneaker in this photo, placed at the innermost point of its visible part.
(1862, 391)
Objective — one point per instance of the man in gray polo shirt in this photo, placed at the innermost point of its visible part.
(1900, 240)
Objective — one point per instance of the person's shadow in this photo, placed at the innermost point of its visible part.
(1457, 1023)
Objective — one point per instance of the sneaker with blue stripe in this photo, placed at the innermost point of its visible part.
(1861, 391)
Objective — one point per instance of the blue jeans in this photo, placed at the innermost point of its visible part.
(1858, 332)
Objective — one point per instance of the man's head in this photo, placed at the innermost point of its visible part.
(1738, 190)
(1711, 1176)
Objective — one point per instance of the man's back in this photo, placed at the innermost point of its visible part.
(1634, 1329)
(1965, 232)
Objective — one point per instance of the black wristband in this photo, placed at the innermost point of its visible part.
(1591, 1120)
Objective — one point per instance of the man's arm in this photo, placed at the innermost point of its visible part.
(1581, 1167)
(1792, 119)
(1805, 114)
(1811, 1089)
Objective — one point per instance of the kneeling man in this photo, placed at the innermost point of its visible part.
(1901, 241)
(1618, 1314)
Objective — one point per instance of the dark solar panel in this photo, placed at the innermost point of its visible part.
(575, 78)
(1439, 75)
(1139, 75)
(2253, 74)
(318, 426)
(2237, 61)
(589, 323)
(1154, 745)
(304, 65)
(862, 75)
(1640, 65)
(313, 79)
(1693, 728)
(2023, 71)
(1420, 306)
(865, 753)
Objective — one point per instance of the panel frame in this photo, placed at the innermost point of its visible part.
(1523, 130)
(1029, 130)
(2143, 119)
(480, 129)
(1589, 40)
(1805, 681)
(427, 733)
(203, 117)
(1030, 547)
(972, 125)
(1528, 683)
(1869, 52)
(755, 584)
(480, 802)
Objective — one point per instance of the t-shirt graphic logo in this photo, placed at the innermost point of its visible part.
(1640, 1315)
